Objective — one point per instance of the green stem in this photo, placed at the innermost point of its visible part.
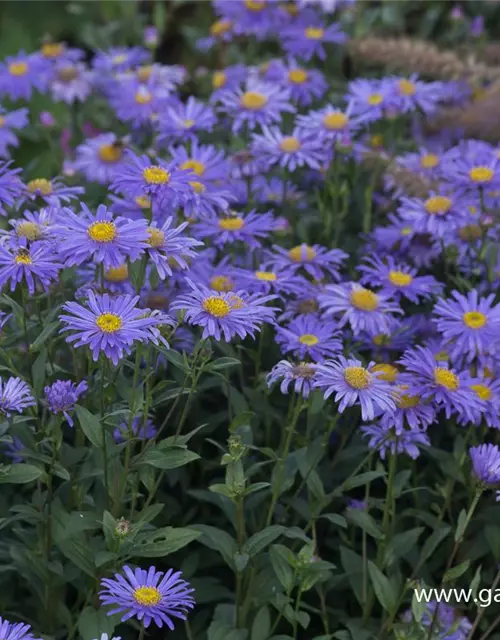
(240, 537)
(103, 430)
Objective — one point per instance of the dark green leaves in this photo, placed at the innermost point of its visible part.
(90, 425)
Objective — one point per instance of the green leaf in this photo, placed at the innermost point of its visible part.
(218, 540)
(456, 572)
(92, 624)
(162, 542)
(384, 589)
(433, 542)
(358, 481)
(44, 336)
(259, 541)
(418, 608)
(281, 558)
(401, 544)
(90, 424)
(241, 561)
(335, 518)
(19, 473)
(222, 363)
(461, 525)
(261, 627)
(169, 459)
(38, 371)
(364, 521)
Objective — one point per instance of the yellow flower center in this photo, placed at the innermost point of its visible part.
(119, 59)
(377, 141)
(40, 185)
(143, 97)
(221, 283)
(219, 79)
(102, 232)
(442, 356)
(470, 232)
(117, 274)
(357, 377)
(29, 230)
(407, 87)
(198, 187)
(335, 121)
(255, 5)
(437, 205)
(429, 161)
(2, 121)
(51, 49)
(156, 237)
(143, 201)
(67, 74)
(406, 401)
(109, 322)
(406, 231)
(400, 279)
(110, 153)
(144, 73)
(220, 27)
(266, 276)
(481, 174)
(195, 166)
(188, 124)
(309, 339)
(237, 302)
(156, 175)
(302, 253)
(314, 33)
(290, 144)
(375, 99)
(253, 100)
(482, 391)
(364, 299)
(217, 307)
(231, 224)
(475, 319)
(388, 372)
(147, 596)
(23, 257)
(446, 378)
(18, 68)
(297, 76)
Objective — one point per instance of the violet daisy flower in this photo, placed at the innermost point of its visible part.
(101, 237)
(300, 375)
(384, 439)
(181, 121)
(354, 384)
(488, 391)
(62, 395)
(13, 450)
(15, 395)
(52, 192)
(224, 315)
(369, 99)
(11, 186)
(361, 308)
(168, 244)
(398, 280)
(315, 260)
(71, 82)
(432, 380)
(136, 102)
(34, 226)
(112, 325)
(206, 161)
(424, 161)
(305, 85)
(470, 324)
(11, 120)
(228, 78)
(101, 158)
(258, 104)
(205, 200)
(149, 596)
(278, 282)
(249, 228)
(139, 429)
(118, 59)
(289, 151)
(411, 93)
(36, 265)
(411, 412)
(159, 181)
(307, 41)
(15, 630)
(329, 123)
(447, 622)
(486, 463)
(473, 165)
(20, 74)
(309, 338)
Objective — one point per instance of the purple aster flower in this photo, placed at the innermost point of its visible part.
(486, 463)
(300, 375)
(20, 74)
(289, 151)
(425, 161)
(112, 325)
(309, 338)
(266, 190)
(258, 104)
(470, 324)
(354, 384)
(100, 159)
(245, 164)
(11, 186)
(13, 450)
(433, 381)
(448, 623)
(238, 227)
(167, 244)
(252, 17)
(361, 505)
(411, 412)
(305, 85)
(182, 122)
(36, 265)
(369, 99)
(278, 282)
(62, 395)
(488, 391)
(206, 161)
(307, 41)
(477, 26)
(384, 439)
(221, 30)
(361, 308)
(410, 94)
(228, 78)
(101, 237)
(159, 181)
(71, 82)
(224, 315)
(117, 59)
(135, 208)
(205, 200)
(304, 306)
(11, 120)
(136, 102)
(398, 280)
(473, 165)
(15, 395)
(15, 631)
(329, 123)
(315, 260)
(34, 226)
(148, 595)
(52, 192)
(151, 36)
(139, 429)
